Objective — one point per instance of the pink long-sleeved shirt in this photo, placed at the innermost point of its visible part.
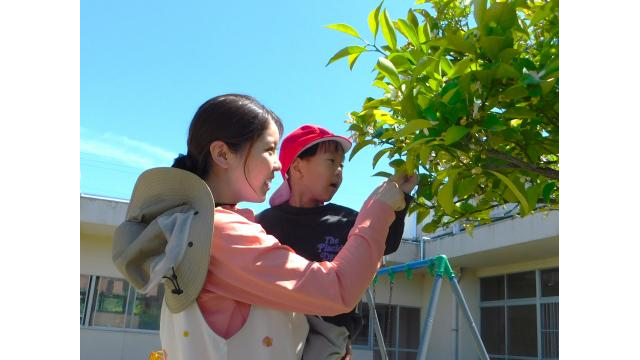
(247, 266)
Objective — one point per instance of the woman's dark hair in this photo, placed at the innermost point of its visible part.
(237, 120)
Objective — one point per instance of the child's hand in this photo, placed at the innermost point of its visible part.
(391, 191)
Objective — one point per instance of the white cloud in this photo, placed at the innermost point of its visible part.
(123, 150)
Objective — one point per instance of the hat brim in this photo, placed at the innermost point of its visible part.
(160, 189)
(343, 141)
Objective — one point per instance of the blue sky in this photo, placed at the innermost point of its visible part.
(145, 67)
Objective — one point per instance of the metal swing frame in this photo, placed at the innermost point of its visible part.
(439, 267)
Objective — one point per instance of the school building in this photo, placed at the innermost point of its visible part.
(508, 272)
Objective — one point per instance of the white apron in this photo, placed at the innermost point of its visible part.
(266, 335)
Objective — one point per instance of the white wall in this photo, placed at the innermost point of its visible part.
(95, 256)
(98, 344)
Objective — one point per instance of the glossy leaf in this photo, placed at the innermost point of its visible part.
(380, 154)
(386, 67)
(352, 59)
(454, 134)
(388, 31)
(345, 28)
(445, 196)
(514, 190)
(374, 20)
(346, 51)
(359, 146)
(408, 31)
(383, 174)
(461, 67)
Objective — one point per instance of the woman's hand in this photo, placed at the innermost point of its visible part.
(391, 191)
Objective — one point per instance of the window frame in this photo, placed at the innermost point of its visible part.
(538, 301)
(87, 317)
(371, 339)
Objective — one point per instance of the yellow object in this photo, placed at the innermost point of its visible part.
(157, 355)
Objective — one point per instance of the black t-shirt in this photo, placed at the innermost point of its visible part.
(319, 233)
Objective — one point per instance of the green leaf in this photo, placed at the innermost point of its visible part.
(493, 45)
(359, 146)
(431, 226)
(540, 14)
(386, 67)
(461, 67)
(382, 85)
(503, 14)
(445, 196)
(426, 30)
(456, 41)
(383, 174)
(454, 134)
(425, 152)
(352, 60)
(415, 125)
(547, 85)
(505, 71)
(415, 143)
(422, 214)
(515, 92)
(467, 186)
(523, 201)
(345, 28)
(479, 8)
(493, 123)
(547, 191)
(400, 61)
(412, 19)
(384, 117)
(397, 164)
(408, 31)
(379, 154)
(447, 97)
(508, 54)
(374, 22)
(519, 113)
(346, 51)
(388, 31)
(445, 64)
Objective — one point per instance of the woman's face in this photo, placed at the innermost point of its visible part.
(253, 178)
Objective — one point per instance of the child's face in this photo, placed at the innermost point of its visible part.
(320, 175)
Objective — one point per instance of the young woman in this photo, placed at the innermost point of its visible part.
(254, 285)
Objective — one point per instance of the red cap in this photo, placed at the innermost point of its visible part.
(292, 145)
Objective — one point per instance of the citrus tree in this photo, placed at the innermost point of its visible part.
(470, 100)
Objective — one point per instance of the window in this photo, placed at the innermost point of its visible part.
(363, 336)
(112, 302)
(400, 326)
(84, 288)
(146, 310)
(519, 315)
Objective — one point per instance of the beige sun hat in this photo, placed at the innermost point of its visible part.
(166, 235)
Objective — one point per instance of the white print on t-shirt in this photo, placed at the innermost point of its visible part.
(330, 248)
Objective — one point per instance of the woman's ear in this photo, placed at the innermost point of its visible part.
(221, 154)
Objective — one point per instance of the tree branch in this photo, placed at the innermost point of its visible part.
(547, 172)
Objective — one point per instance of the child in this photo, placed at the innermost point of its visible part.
(243, 300)
(312, 163)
